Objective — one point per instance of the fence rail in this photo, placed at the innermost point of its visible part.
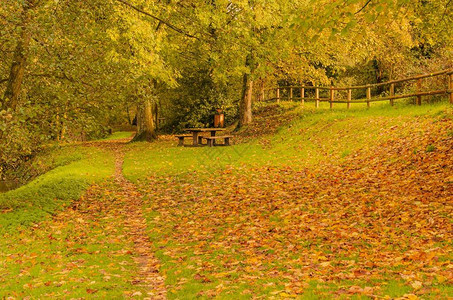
(369, 98)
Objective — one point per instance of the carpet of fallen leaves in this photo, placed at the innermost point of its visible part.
(267, 120)
(98, 247)
(381, 216)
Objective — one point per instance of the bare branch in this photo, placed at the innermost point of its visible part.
(363, 7)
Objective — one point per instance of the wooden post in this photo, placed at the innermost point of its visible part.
(291, 94)
(278, 95)
(450, 87)
(302, 95)
(419, 89)
(392, 93)
(331, 97)
(317, 98)
(349, 97)
(368, 96)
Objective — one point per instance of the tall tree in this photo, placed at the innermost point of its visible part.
(18, 64)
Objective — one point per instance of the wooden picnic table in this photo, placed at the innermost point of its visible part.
(197, 131)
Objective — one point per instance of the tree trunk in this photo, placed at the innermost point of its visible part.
(156, 115)
(245, 106)
(16, 75)
(145, 122)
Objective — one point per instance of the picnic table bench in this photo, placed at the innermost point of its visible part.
(197, 131)
(211, 140)
(181, 138)
(197, 138)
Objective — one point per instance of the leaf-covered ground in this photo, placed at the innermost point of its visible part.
(97, 247)
(331, 205)
(376, 224)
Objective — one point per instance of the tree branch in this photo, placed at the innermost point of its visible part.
(363, 7)
(446, 10)
(158, 19)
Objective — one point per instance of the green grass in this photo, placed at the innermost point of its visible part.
(80, 253)
(118, 135)
(84, 253)
(53, 190)
(173, 193)
(87, 255)
(316, 135)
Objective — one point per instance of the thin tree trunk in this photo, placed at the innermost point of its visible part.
(145, 122)
(16, 75)
(156, 115)
(128, 115)
(245, 106)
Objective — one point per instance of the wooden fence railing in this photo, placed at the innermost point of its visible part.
(392, 95)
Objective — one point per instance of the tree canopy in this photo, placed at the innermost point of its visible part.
(70, 70)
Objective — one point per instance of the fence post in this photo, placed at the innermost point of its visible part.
(278, 95)
(331, 97)
(392, 93)
(291, 94)
(368, 96)
(302, 95)
(419, 89)
(317, 98)
(349, 97)
(450, 87)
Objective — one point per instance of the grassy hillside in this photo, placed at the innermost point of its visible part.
(344, 203)
(309, 137)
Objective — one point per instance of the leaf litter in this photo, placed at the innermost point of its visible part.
(98, 247)
(382, 215)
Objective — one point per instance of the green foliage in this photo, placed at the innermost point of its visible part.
(194, 102)
(91, 63)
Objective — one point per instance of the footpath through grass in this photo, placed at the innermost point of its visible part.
(82, 252)
(334, 204)
(59, 241)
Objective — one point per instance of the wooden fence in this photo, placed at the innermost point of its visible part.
(416, 81)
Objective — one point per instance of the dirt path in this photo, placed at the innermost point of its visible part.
(135, 223)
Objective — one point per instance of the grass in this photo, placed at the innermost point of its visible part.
(119, 135)
(74, 169)
(79, 253)
(205, 205)
(82, 253)
(276, 216)
(313, 137)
